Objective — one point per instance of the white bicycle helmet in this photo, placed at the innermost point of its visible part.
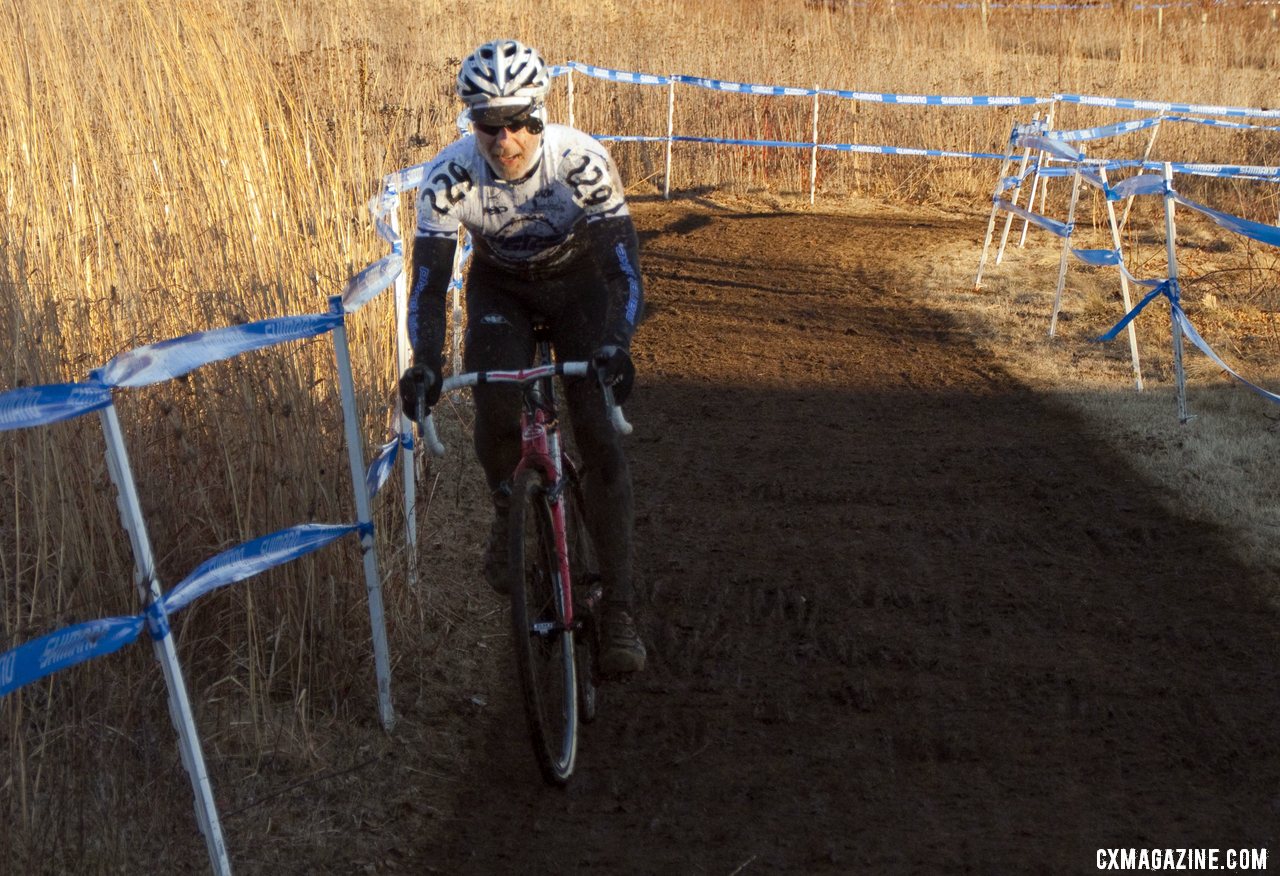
(501, 80)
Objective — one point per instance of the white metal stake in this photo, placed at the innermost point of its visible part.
(991, 221)
(1008, 219)
(813, 159)
(671, 130)
(163, 647)
(569, 79)
(1035, 181)
(404, 351)
(373, 585)
(1180, 376)
(1031, 198)
(455, 280)
(1124, 285)
(1146, 155)
(857, 156)
(1066, 246)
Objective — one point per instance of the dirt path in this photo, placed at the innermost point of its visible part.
(905, 615)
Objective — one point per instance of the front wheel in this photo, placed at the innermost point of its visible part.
(587, 597)
(543, 644)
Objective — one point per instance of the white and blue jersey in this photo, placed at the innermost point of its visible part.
(527, 225)
(565, 221)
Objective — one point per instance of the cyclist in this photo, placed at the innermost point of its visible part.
(553, 242)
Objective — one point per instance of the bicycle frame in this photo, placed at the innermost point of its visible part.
(540, 449)
(540, 436)
(545, 474)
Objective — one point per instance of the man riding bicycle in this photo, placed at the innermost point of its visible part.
(553, 243)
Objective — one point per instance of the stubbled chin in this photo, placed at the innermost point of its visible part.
(508, 169)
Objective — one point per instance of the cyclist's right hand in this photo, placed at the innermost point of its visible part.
(419, 390)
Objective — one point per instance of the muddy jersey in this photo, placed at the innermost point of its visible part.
(527, 224)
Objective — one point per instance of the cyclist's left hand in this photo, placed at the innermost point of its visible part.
(419, 383)
(613, 364)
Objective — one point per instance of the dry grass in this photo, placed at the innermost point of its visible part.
(172, 166)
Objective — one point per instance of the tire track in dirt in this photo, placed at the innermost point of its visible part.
(905, 616)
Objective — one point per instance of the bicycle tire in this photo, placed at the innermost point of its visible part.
(587, 595)
(544, 647)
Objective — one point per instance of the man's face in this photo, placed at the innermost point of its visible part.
(509, 152)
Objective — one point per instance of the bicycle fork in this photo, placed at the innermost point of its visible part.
(541, 450)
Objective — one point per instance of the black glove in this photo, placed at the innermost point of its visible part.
(613, 364)
(419, 382)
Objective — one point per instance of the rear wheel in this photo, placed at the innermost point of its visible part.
(544, 646)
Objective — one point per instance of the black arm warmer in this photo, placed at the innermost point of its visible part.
(432, 269)
(617, 252)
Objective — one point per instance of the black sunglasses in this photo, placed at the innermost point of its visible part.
(533, 123)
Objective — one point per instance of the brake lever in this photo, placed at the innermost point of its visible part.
(616, 417)
(426, 425)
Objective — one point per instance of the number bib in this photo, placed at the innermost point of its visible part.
(530, 222)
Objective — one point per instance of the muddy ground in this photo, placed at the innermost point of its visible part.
(906, 615)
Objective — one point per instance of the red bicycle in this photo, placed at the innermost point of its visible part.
(555, 582)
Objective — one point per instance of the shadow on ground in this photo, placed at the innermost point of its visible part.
(906, 616)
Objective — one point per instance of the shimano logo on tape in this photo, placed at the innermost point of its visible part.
(7, 665)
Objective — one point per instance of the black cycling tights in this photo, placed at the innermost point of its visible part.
(501, 309)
